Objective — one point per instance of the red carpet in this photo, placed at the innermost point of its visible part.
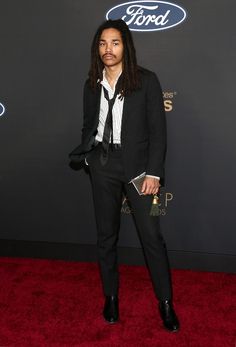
(58, 303)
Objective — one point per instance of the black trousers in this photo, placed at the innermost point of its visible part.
(108, 183)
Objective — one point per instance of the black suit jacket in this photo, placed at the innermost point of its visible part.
(143, 129)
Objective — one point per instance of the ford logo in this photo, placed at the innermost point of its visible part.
(148, 15)
(2, 109)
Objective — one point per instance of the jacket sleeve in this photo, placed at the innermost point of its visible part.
(156, 127)
(89, 109)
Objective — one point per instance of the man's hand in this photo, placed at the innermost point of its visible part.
(150, 185)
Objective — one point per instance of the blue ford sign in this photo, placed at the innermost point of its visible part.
(148, 15)
(2, 109)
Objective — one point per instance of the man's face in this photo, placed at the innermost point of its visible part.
(111, 47)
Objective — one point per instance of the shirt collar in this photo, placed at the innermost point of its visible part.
(105, 82)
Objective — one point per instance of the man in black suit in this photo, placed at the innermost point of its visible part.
(124, 136)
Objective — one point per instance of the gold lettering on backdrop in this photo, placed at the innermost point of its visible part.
(165, 199)
(168, 197)
(168, 105)
(168, 97)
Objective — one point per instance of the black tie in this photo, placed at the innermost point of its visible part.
(108, 128)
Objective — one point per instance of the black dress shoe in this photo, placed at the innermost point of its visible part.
(168, 316)
(111, 309)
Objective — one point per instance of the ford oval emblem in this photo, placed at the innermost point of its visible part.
(148, 15)
(2, 109)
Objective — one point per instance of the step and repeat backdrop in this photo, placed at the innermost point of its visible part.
(44, 60)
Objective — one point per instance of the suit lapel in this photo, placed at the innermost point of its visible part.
(97, 97)
(127, 108)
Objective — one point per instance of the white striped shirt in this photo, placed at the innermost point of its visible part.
(117, 111)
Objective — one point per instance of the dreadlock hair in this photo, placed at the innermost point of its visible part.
(129, 78)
